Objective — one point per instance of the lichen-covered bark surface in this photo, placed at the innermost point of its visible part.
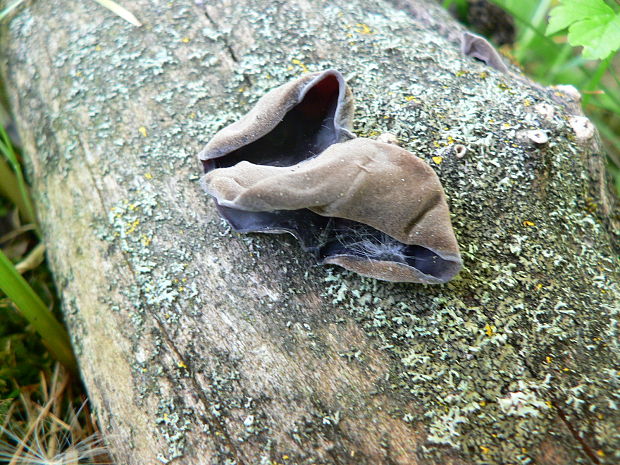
(202, 346)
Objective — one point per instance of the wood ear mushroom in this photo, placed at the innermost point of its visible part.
(370, 207)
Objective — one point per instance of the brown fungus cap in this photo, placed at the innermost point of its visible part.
(289, 166)
(404, 231)
(289, 123)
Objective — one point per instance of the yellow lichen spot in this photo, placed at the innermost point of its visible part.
(184, 280)
(524, 450)
(489, 330)
(506, 125)
(485, 450)
(78, 74)
(409, 98)
(132, 226)
(146, 241)
(528, 223)
(349, 35)
(565, 369)
(461, 73)
(600, 416)
(527, 102)
(491, 121)
(181, 289)
(482, 403)
(181, 364)
(166, 416)
(132, 206)
(241, 90)
(438, 160)
(299, 63)
(285, 457)
(148, 175)
(549, 404)
(192, 115)
(362, 28)
(185, 40)
(98, 48)
(436, 144)
(483, 75)
(539, 286)
(600, 453)
(142, 130)
(450, 139)
(548, 359)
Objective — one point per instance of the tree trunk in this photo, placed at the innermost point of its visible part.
(199, 345)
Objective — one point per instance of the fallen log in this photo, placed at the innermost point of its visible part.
(200, 345)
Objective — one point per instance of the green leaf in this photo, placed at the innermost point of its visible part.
(591, 23)
(571, 11)
(599, 37)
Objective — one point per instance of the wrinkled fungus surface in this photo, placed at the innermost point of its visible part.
(370, 207)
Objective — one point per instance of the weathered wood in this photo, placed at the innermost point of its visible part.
(202, 346)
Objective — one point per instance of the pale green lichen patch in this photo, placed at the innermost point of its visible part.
(172, 424)
(493, 355)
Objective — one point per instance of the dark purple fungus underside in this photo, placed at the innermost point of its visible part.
(300, 127)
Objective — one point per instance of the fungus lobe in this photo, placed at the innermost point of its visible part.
(292, 165)
(478, 47)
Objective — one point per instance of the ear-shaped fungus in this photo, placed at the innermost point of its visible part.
(289, 124)
(370, 207)
(478, 47)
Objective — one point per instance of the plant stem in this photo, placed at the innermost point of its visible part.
(596, 79)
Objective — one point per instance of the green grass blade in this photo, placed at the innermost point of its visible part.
(5, 11)
(595, 79)
(24, 204)
(9, 188)
(38, 315)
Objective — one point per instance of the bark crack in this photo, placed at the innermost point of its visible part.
(584, 445)
(227, 46)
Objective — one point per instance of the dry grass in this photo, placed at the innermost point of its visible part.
(45, 427)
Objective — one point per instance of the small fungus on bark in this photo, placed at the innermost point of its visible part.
(292, 165)
(478, 47)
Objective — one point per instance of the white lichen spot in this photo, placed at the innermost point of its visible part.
(460, 150)
(535, 136)
(582, 127)
(522, 404)
(545, 110)
(569, 91)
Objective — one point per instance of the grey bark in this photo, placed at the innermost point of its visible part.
(202, 346)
